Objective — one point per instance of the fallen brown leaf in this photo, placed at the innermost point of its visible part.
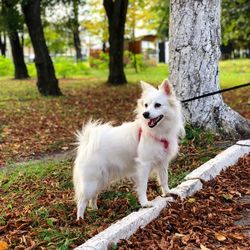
(4, 245)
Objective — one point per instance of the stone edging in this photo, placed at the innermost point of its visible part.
(125, 227)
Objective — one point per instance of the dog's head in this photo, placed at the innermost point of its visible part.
(156, 105)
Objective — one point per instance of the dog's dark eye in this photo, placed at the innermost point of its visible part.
(157, 105)
(146, 105)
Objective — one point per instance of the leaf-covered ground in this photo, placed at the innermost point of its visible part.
(37, 210)
(207, 220)
(31, 125)
(36, 201)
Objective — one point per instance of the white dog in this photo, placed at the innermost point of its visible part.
(106, 153)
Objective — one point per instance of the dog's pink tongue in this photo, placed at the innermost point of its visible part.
(151, 122)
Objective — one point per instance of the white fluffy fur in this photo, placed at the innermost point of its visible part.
(108, 153)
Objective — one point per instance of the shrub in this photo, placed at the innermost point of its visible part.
(6, 67)
(31, 69)
(101, 62)
(66, 67)
(130, 58)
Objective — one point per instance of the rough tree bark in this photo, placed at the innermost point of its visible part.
(116, 12)
(46, 80)
(77, 41)
(194, 57)
(21, 71)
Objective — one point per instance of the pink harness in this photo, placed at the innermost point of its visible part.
(164, 142)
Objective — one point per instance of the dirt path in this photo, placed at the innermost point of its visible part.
(217, 217)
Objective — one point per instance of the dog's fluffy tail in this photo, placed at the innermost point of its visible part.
(88, 141)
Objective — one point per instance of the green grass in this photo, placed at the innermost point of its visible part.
(232, 72)
(36, 170)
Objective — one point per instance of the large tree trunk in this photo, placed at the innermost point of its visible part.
(77, 41)
(194, 57)
(47, 83)
(116, 13)
(3, 43)
(21, 71)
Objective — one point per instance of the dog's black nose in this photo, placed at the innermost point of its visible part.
(146, 115)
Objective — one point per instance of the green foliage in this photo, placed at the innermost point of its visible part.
(232, 72)
(114, 246)
(176, 178)
(56, 41)
(31, 69)
(197, 135)
(64, 238)
(101, 62)
(96, 22)
(235, 23)
(135, 61)
(141, 15)
(12, 19)
(64, 67)
(133, 203)
(162, 10)
(6, 67)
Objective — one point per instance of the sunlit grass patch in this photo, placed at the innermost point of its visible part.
(234, 72)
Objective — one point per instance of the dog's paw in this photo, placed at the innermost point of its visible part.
(175, 195)
(79, 221)
(147, 204)
(166, 195)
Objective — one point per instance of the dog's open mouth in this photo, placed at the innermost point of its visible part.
(153, 122)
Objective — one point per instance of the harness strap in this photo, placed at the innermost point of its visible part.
(164, 142)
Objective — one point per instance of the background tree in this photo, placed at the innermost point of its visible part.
(95, 22)
(73, 24)
(161, 9)
(13, 23)
(47, 82)
(57, 38)
(194, 70)
(2, 32)
(116, 12)
(235, 23)
(140, 16)
(70, 19)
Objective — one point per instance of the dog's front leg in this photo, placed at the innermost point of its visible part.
(144, 169)
(163, 180)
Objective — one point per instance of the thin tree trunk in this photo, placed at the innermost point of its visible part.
(116, 12)
(103, 46)
(77, 41)
(77, 44)
(21, 71)
(47, 83)
(133, 39)
(3, 44)
(194, 57)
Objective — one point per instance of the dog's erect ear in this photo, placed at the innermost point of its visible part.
(146, 87)
(166, 87)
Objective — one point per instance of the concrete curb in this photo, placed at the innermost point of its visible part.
(124, 228)
(228, 157)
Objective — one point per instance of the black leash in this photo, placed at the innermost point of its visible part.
(216, 92)
(244, 145)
